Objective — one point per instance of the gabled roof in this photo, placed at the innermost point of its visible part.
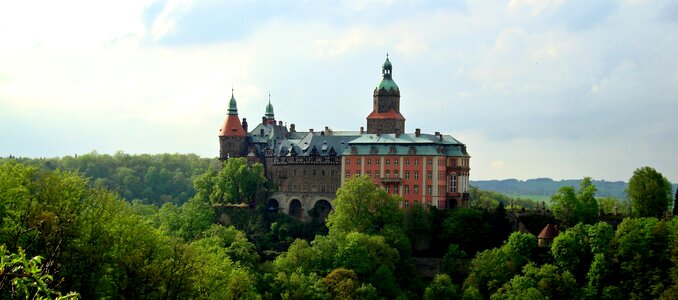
(549, 232)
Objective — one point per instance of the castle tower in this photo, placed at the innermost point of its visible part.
(232, 134)
(385, 116)
(269, 117)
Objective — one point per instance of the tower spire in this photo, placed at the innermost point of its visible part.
(232, 105)
(269, 109)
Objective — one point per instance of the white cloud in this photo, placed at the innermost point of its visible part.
(530, 96)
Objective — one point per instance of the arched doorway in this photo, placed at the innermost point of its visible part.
(272, 205)
(295, 209)
(321, 210)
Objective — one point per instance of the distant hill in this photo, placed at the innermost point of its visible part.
(548, 187)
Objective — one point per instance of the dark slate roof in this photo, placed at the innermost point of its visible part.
(315, 144)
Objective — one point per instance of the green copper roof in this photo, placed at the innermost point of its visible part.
(269, 110)
(387, 64)
(387, 83)
(232, 106)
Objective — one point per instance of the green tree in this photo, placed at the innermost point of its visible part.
(491, 268)
(365, 253)
(363, 207)
(573, 207)
(545, 282)
(586, 195)
(455, 263)
(342, 283)
(441, 288)
(467, 228)
(649, 192)
(571, 250)
(236, 182)
(675, 204)
(25, 278)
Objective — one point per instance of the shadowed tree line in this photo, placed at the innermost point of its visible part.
(89, 240)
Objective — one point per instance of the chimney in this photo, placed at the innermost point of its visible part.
(292, 129)
(327, 130)
(417, 132)
(261, 132)
(362, 130)
(437, 133)
(397, 132)
(263, 120)
(244, 124)
(310, 130)
(441, 137)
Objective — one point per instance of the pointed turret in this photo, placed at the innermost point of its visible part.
(232, 133)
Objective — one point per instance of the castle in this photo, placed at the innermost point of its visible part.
(308, 167)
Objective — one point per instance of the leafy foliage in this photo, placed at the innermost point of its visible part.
(573, 207)
(649, 192)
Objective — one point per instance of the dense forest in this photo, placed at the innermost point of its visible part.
(99, 226)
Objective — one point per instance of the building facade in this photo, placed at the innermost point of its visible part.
(308, 167)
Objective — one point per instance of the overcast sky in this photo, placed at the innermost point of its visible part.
(535, 88)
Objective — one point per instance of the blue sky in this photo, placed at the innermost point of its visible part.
(560, 89)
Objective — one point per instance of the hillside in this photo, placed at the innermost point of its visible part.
(547, 186)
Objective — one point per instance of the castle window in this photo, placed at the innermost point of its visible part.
(368, 174)
(407, 190)
(430, 161)
(358, 161)
(376, 174)
(453, 183)
(429, 175)
(395, 174)
(388, 161)
(416, 189)
(407, 204)
(416, 162)
(396, 161)
(369, 161)
(348, 161)
(416, 174)
(407, 174)
(314, 188)
(387, 174)
(407, 162)
(387, 188)
(314, 172)
(357, 173)
(348, 174)
(377, 161)
(429, 190)
(395, 189)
